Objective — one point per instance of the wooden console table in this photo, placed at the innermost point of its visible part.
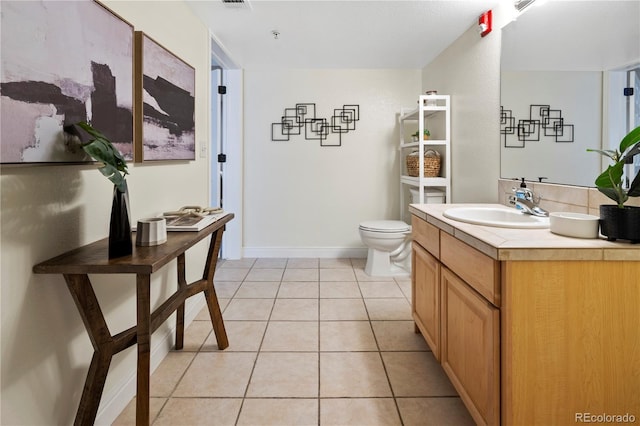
(76, 265)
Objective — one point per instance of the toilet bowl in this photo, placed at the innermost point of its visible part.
(389, 244)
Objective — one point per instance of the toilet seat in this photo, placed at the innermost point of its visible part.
(385, 226)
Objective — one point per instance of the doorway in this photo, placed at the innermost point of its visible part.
(225, 148)
(217, 137)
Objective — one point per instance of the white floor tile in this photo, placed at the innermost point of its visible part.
(311, 342)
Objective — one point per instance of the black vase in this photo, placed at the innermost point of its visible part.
(620, 223)
(120, 225)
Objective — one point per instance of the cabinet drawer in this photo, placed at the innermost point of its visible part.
(476, 268)
(427, 235)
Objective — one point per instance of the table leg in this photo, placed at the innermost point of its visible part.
(210, 291)
(102, 341)
(182, 283)
(143, 311)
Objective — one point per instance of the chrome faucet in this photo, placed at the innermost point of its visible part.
(528, 202)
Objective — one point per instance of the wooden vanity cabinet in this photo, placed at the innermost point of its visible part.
(470, 353)
(425, 282)
(427, 235)
(570, 341)
(453, 288)
(478, 270)
(531, 341)
(425, 303)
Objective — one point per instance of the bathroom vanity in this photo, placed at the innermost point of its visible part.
(532, 328)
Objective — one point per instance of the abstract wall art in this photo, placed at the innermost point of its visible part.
(302, 120)
(165, 103)
(542, 122)
(63, 62)
(508, 127)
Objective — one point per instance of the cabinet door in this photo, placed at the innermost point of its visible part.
(425, 296)
(471, 347)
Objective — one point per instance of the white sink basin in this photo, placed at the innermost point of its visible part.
(496, 216)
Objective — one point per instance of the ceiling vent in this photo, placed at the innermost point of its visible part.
(522, 4)
(236, 4)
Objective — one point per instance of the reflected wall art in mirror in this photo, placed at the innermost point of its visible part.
(564, 68)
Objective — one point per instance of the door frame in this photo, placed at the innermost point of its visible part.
(232, 147)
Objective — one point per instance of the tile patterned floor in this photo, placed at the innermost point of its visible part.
(312, 342)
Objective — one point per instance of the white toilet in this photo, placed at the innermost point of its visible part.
(389, 243)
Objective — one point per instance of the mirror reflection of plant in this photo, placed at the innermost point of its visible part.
(100, 148)
(610, 181)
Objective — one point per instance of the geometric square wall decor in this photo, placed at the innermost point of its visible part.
(165, 103)
(529, 130)
(508, 127)
(303, 115)
(61, 63)
(543, 121)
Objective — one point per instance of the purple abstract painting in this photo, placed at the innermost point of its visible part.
(165, 103)
(63, 62)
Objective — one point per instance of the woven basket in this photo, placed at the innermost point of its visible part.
(431, 164)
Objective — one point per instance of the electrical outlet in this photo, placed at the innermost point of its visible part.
(510, 199)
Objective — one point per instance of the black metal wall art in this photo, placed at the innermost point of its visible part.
(303, 115)
(542, 121)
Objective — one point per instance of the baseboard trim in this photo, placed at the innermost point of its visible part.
(112, 406)
(320, 252)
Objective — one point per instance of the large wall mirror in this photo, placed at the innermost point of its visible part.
(564, 67)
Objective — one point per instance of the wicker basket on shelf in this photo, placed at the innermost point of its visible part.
(431, 164)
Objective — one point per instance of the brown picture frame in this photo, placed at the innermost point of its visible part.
(164, 103)
(49, 82)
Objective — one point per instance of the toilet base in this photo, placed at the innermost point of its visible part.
(379, 264)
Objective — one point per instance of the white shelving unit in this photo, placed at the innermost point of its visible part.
(435, 116)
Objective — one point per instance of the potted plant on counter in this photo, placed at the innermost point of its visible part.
(618, 221)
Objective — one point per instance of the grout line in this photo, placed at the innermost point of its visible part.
(318, 351)
(195, 354)
(164, 404)
(255, 362)
(384, 366)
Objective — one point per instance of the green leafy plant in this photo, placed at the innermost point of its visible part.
(100, 148)
(610, 181)
(426, 133)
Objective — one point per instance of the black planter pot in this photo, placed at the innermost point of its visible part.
(120, 225)
(617, 223)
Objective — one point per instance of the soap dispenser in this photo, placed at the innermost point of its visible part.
(520, 194)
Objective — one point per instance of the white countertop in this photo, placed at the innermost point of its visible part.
(524, 244)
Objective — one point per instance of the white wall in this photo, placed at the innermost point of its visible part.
(302, 199)
(47, 210)
(469, 71)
